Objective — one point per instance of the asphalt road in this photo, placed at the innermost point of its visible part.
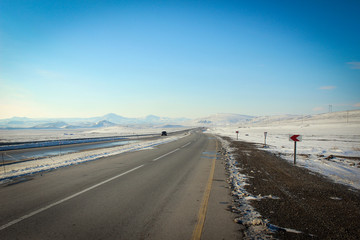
(175, 191)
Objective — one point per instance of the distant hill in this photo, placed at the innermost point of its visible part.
(51, 125)
(107, 120)
(103, 123)
(223, 119)
(111, 117)
(219, 119)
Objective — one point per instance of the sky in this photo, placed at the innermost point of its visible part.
(178, 58)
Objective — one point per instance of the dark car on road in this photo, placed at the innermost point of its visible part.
(163, 133)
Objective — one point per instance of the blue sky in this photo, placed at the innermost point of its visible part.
(178, 58)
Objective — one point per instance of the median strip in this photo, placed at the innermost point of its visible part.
(50, 163)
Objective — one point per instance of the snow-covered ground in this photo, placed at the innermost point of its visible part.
(327, 147)
(257, 227)
(49, 163)
(31, 135)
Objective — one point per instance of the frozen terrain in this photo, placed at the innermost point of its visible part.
(330, 142)
(31, 135)
(255, 224)
(49, 163)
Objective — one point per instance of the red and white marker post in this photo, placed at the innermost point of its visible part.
(295, 138)
(237, 135)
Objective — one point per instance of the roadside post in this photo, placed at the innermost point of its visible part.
(60, 148)
(265, 134)
(3, 162)
(295, 138)
(237, 135)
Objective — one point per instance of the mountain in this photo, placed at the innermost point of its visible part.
(112, 117)
(351, 116)
(103, 123)
(64, 125)
(17, 122)
(107, 120)
(52, 125)
(152, 118)
(21, 119)
(223, 119)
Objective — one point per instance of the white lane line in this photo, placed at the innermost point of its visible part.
(186, 145)
(166, 154)
(65, 199)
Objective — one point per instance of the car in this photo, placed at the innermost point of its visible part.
(163, 133)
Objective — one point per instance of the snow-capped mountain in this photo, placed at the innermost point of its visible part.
(103, 123)
(51, 125)
(223, 119)
(112, 119)
(107, 120)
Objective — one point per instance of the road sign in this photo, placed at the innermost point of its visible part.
(295, 138)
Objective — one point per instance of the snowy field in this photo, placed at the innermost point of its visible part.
(50, 163)
(328, 147)
(30, 135)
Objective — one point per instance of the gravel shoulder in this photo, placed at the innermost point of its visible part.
(306, 202)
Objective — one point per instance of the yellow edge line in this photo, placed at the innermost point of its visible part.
(203, 208)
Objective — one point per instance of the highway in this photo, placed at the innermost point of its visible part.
(175, 191)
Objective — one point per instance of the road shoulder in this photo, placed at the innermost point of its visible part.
(219, 222)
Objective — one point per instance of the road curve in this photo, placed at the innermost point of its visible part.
(152, 194)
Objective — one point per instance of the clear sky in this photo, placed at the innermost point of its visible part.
(75, 58)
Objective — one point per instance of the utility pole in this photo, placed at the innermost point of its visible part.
(330, 108)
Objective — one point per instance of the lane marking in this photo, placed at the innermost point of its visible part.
(186, 145)
(203, 208)
(166, 154)
(65, 199)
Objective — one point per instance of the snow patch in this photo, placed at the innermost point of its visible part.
(50, 163)
(331, 149)
(256, 226)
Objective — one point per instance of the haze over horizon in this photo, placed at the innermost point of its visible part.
(178, 59)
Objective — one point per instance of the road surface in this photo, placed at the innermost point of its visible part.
(175, 191)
